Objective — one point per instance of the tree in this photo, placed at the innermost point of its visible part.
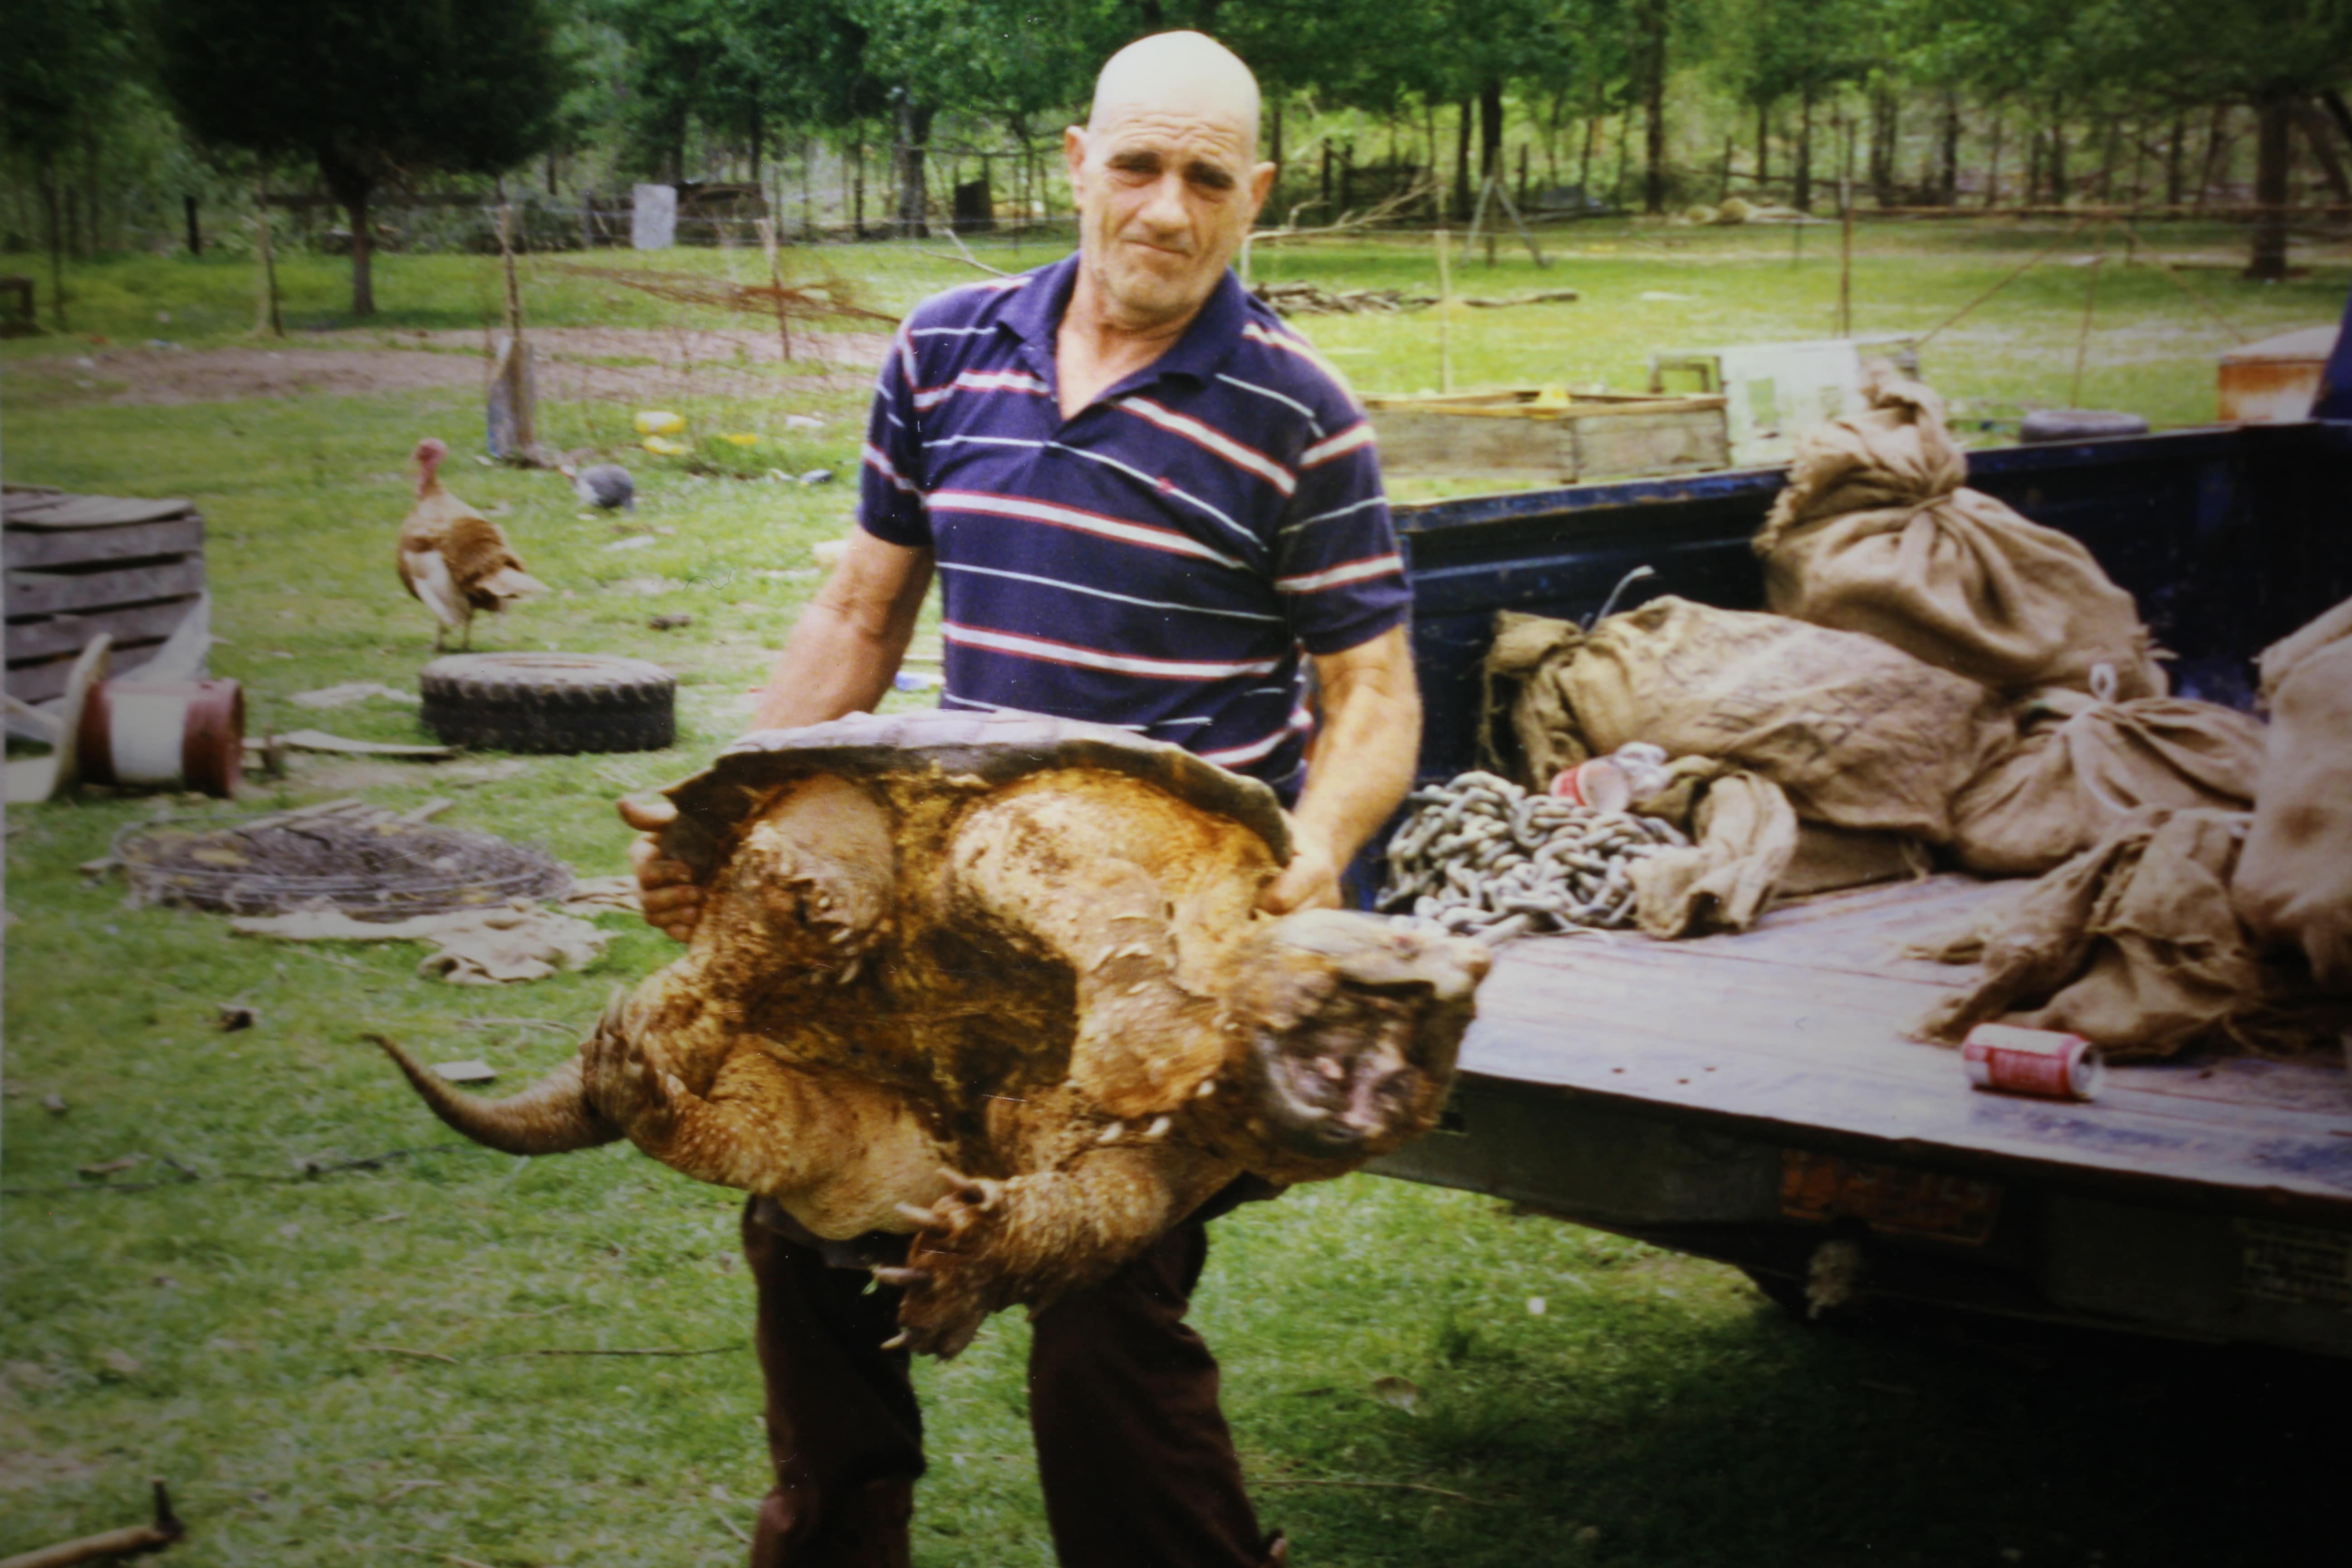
(375, 93)
(62, 64)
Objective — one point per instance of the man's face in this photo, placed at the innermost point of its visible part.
(1164, 196)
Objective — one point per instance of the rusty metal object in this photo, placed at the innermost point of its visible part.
(164, 735)
(2275, 380)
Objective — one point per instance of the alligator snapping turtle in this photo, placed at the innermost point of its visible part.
(997, 982)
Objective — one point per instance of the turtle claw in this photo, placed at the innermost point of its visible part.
(955, 1277)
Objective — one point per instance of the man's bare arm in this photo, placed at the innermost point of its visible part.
(840, 658)
(1362, 769)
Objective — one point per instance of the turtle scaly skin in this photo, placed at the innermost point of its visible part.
(999, 983)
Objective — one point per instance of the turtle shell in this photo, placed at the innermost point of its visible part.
(995, 748)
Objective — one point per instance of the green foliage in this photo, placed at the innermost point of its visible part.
(266, 1340)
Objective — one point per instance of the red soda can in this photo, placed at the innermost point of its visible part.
(1599, 784)
(2046, 1062)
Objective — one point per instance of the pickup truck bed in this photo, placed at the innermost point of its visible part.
(1749, 1097)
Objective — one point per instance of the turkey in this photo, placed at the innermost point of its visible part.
(453, 558)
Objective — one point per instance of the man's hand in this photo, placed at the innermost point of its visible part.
(1311, 881)
(673, 904)
(1362, 769)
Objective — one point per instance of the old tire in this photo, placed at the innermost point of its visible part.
(549, 702)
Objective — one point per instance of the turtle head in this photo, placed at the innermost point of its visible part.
(1350, 1024)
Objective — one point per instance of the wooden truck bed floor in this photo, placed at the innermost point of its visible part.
(1802, 1023)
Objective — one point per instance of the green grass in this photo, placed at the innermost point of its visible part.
(212, 1322)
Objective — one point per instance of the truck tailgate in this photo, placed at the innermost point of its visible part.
(1800, 1027)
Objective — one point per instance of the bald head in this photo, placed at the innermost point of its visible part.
(1188, 72)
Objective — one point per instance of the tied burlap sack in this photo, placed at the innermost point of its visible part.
(1743, 834)
(1874, 533)
(2132, 945)
(2079, 766)
(2294, 886)
(1859, 734)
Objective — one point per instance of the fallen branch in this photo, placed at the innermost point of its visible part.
(517, 1023)
(403, 1349)
(732, 1528)
(967, 258)
(1377, 1486)
(130, 1541)
(715, 1350)
(1345, 222)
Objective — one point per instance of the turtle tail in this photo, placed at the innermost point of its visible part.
(552, 1117)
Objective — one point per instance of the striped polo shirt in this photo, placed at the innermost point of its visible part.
(1164, 559)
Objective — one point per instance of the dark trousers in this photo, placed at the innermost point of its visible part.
(1136, 1459)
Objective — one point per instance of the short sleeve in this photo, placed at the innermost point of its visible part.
(1337, 564)
(890, 477)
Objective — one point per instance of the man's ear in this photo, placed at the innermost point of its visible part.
(1073, 151)
(1261, 187)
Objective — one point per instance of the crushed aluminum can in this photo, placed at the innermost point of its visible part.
(1599, 784)
(2042, 1062)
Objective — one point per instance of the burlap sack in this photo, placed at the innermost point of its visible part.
(1743, 834)
(1874, 533)
(2079, 766)
(2294, 886)
(1859, 734)
(2132, 945)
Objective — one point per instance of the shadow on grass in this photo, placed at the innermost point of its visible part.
(1762, 1440)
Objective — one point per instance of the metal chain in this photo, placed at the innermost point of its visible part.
(1483, 858)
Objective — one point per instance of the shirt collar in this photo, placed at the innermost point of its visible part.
(1036, 313)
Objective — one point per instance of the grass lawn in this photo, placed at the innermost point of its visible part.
(338, 1358)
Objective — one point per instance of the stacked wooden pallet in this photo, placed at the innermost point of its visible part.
(79, 565)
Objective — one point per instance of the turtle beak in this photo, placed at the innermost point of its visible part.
(1355, 1052)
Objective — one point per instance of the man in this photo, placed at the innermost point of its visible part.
(1143, 497)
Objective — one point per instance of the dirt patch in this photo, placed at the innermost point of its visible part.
(181, 375)
(673, 364)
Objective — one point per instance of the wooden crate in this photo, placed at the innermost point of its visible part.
(79, 565)
(1518, 438)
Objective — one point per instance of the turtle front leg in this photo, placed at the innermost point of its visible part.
(987, 1244)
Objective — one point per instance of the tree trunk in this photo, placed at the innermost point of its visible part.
(1992, 176)
(2057, 163)
(196, 229)
(57, 243)
(1763, 145)
(1653, 112)
(1462, 166)
(758, 133)
(1884, 128)
(914, 140)
(1803, 195)
(1490, 132)
(355, 206)
(2176, 171)
(2274, 168)
(2214, 145)
(2318, 134)
(1584, 163)
(1951, 174)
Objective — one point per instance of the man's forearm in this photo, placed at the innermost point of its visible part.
(845, 649)
(1365, 756)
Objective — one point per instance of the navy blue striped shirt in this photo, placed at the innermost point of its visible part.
(1161, 560)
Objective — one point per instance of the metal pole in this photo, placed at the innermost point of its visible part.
(1444, 314)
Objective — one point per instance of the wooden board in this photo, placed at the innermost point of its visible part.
(51, 592)
(1803, 1024)
(68, 634)
(33, 548)
(33, 509)
(1507, 439)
